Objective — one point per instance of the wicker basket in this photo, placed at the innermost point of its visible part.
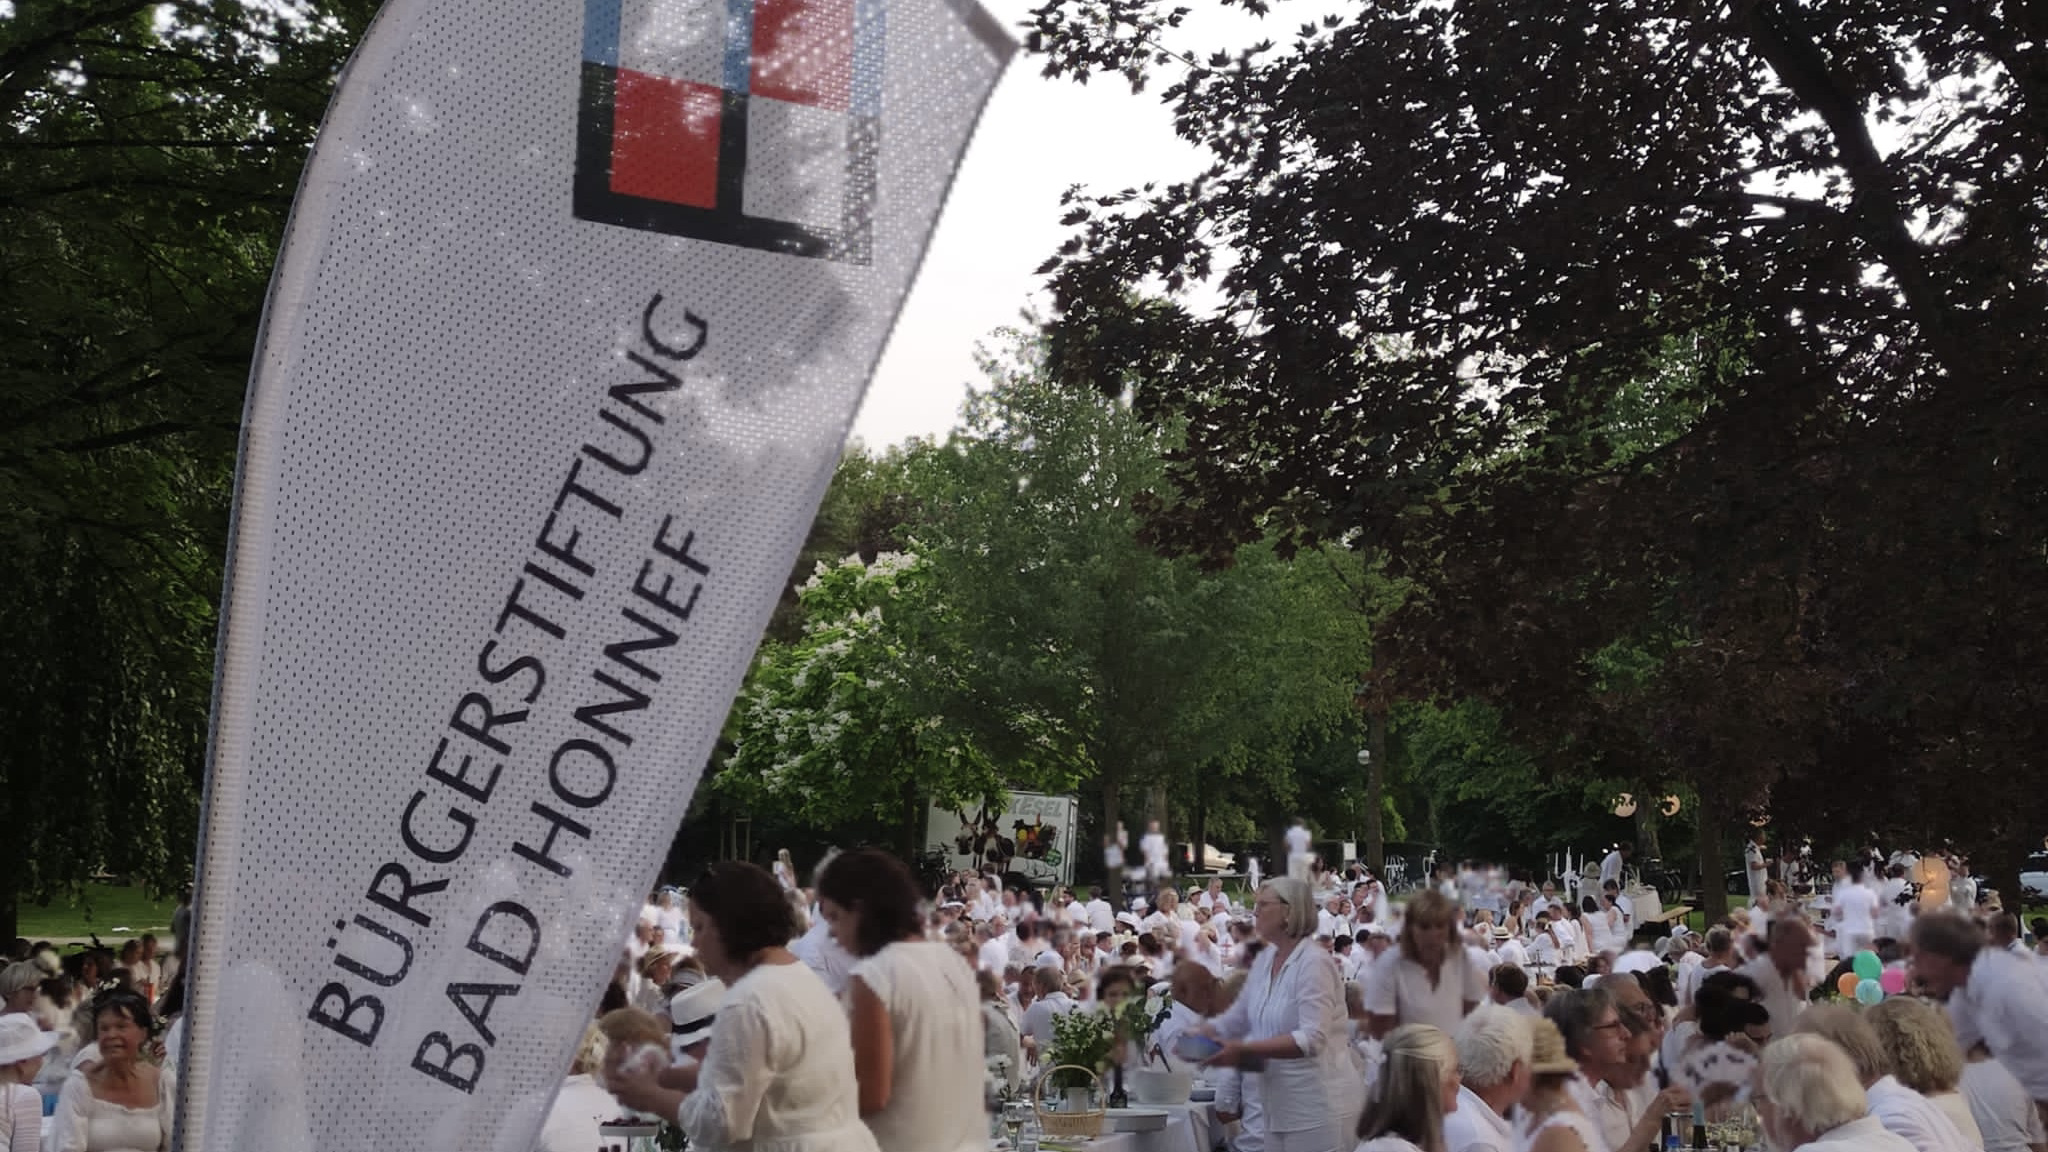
(1084, 1124)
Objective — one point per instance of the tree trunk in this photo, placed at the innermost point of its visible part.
(1648, 847)
(1375, 792)
(1201, 823)
(913, 851)
(1112, 808)
(1713, 885)
(10, 913)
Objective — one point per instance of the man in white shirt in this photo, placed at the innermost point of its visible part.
(1852, 909)
(982, 904)
(1894, 907)
(1195, 994)
(1052, 1001)
(1508, 949)
(1508, 987)
(1543, 902)
(1299, 856)
(1153, 846)
(1611, 867)
(1753, 866)
(1994, 997)
(1330, 919)
(1494, 1051)
(823, 955)
(1100, 916)
(1025, 945)
(995, 949)
(1782, 973)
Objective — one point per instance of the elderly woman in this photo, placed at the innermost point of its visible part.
(19, 983)
(122, 1104)
(1000, 1037)
(1429, 978)
(779, 1073)
(1925, 1057)
(1415, 1089)
(1902, 1111)
(1812, 1101)
(1289, 1021)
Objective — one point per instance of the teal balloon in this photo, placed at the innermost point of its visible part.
(1869, 992)
(1868, 966)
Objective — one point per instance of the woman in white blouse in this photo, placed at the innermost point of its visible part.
(917, 1027)
(1288, 1020)
(122, 1104)
(779, 1073)
(1429, 978)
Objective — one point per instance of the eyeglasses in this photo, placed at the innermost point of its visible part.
(1609, 1025)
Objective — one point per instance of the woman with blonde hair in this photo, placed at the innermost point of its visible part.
(1416, 1086)
(1428, 978)
(1925, 1057)
(1288, 1021)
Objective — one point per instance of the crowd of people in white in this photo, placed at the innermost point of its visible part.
(1478, 1014)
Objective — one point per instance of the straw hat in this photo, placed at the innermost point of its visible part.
(1547, 1055)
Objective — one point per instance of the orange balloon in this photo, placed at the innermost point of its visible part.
(1847, 985)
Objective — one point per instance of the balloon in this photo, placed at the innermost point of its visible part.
(1893, 981)
(1869, 992)
(1847, 984)
(1867, 965)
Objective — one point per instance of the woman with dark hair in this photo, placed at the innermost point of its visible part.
(779, 1072)
(916, 1015)
(121, 1104)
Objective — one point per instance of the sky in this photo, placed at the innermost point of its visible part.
(1036, 138)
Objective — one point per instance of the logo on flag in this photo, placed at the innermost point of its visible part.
(747, 122)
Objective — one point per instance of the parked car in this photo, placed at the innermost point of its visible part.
(2034, 878)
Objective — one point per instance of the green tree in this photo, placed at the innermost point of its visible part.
(840, 725)
(148, 155)
(1452, 243)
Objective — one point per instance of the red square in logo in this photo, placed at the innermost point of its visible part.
(803, 52)
(665, 139)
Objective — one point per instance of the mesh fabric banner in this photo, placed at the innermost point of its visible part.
(577, 304)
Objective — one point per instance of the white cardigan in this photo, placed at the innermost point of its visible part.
(779, 1073)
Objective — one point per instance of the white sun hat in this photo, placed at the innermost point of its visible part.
(21, 1038)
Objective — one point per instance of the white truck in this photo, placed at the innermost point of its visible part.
(1032, 835)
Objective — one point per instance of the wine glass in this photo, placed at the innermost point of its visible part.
(1015, 1113)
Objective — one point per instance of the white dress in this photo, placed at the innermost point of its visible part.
(779, 1074)
(1309, 1104)
(935, 1023)
(86, 1123)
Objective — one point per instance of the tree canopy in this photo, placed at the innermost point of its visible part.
(1454, 245)
(148, 155)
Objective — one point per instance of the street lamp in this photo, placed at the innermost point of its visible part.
(1365, 757)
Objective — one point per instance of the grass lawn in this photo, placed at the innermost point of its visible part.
(99, 909)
